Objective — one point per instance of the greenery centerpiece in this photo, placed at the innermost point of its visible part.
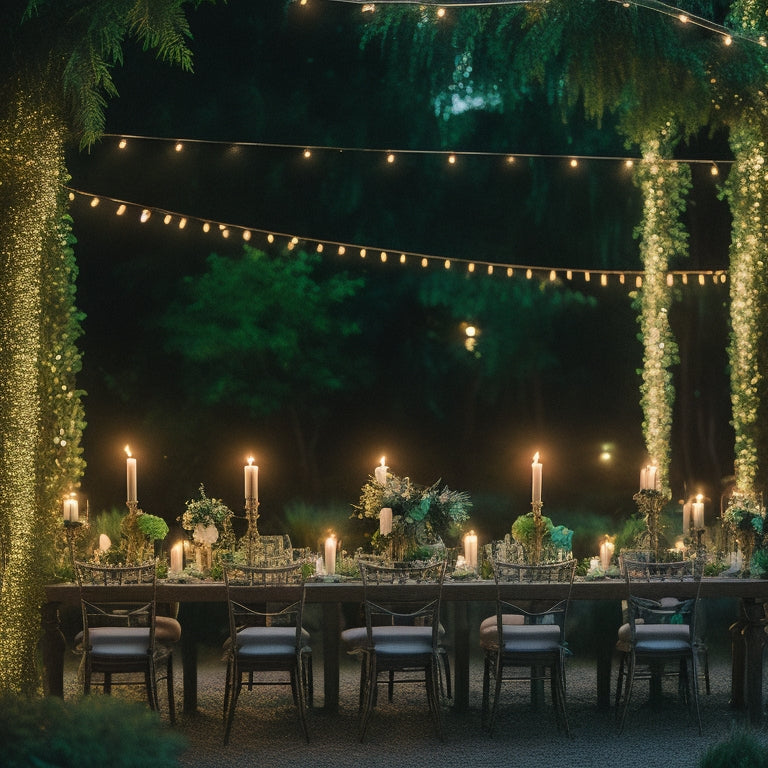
(542, 541)
(423, 517)
(210, 522)
(744, 519)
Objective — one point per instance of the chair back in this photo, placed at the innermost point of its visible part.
(249, 606)
(129, 623)
(545, 610)
(664, 608)
(402, 595)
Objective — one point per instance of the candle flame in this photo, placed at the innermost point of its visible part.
(535, 457)
(250, 460)
(383, 461)
(699, 498)
(128, 451)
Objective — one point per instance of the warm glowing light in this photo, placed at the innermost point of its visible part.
(424, 262)
(587, 277)
(167, 218)
(383, 256)
(368, 8)
(121, 209)
(390, 158)
(440, 13)
(510, 159)
(94, 202)
(528, 274)
(122, 144)
(128, 452)
(728, 40)
(603, 280)
(490, 269)
(629, 163)
(246, 235)
(206, 227)
(307, 153)
(182, 223)
(510, 271)
(295, 240)
(452, 159)
(552, 275)
(319, 248)
(270, 238)
(574, 162)
(402, 258)
(683, 18)
(470, 267)
(363, 253)
(447, 264)
(470, 331)
(714, 170)
(569, 274)
(179, 146)
(225, 232)
(145, 214)
(342, 250)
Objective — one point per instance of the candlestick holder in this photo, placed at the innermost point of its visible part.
(134, 537)
(650, 504)
(71, 528)
(252, 514)
(700, 549)
(538, 531)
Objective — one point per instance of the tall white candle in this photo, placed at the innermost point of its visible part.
(649, 477)
(385, 521)
(330, 555)
(71, 510)
(536, 479)
(380, 473)
(130, 470)
(686, 517)
(470, 549)
(698, 513)
(177, 557)
(251, 480)
(606, 553)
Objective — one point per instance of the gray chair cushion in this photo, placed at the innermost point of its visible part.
(119, 641)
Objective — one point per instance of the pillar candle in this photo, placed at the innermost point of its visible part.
(71, 510)
(470, 549)
(104, 542)
(177, 557)
(130, 469)
(648, 477)
(536, 479)
(686, 518)
(698, 513)
(380, 473)
(385, 521)
(251, 480)
(606, 553)
(330, 555)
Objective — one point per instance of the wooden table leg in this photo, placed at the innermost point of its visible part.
(53, 646)
(331, 642)
(189, 671)
(754, 637)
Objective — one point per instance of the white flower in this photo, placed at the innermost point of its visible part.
(205, 534)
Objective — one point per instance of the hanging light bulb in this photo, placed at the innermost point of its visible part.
(246, 235)
(120, 209)
(182, 223)
(179, 146)
(167, 218)
(145, 214)
(206, 227)
(122, 144)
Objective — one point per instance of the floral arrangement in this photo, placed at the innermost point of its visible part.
(207, 518)
(152, 526)
(555, 537)
(421, 515)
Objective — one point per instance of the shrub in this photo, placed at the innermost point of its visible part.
(741, 749)
(89, 733)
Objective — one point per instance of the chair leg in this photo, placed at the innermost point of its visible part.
(309, 680)
(497, 693)
(557, 676)
(301, 691)
(234, 691)
(627, 689)
(431, 676)
(486, 690)
(695, 676)
(371, 679)
(447, 671)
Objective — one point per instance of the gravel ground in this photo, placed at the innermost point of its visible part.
(266, 730)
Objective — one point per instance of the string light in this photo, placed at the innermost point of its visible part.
(541, 272)
(390, 154)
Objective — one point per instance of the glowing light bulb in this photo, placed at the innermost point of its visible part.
(383, 256)
(167, 218)
(246, 235)
(452, 159)
(363, 253)
(424, 263)
(120, 209)
(122, 144)
(270, 238)
(182, 223)
(179, 146)
(94, 202)
(390, 158)
(342, 250)
(307, 153)
(145, 214)
(206, 227)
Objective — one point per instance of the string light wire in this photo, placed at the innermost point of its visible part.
(629, 277)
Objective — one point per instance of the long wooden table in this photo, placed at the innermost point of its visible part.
(457, 596)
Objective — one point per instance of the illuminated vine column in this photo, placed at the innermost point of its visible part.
(663, 185)
(748, 197)
(747, 192)
(31, 161)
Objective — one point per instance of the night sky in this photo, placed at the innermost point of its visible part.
(300, 78)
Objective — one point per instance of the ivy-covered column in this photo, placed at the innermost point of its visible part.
(747, 191)
(664, 185)
(31, 163)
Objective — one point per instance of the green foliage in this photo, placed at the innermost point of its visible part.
(742, 749)
(90, 733)
(152, 526)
